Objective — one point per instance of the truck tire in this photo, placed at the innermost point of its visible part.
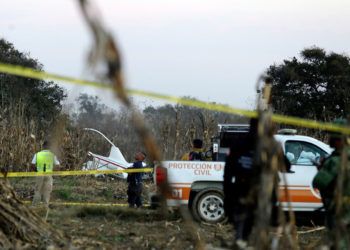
(208, 206)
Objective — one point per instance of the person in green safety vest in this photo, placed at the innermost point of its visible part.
(44, 161)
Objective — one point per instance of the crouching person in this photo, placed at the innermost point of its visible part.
(134, 181)
(44, 162)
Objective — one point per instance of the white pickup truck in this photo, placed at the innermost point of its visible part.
(199, 184)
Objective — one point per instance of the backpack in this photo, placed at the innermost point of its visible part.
(196, 156)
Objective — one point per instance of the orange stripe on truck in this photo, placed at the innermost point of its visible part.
(295, 195)
(298, 196)
(180, 193)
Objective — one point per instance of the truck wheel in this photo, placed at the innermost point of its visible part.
(208, 206)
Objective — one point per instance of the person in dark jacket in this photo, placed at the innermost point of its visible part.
(240, 179)
(134, 181)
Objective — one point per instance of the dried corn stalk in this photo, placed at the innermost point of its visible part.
(106, 51)
(20, 228)
(268, 156)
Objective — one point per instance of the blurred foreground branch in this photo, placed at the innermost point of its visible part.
(106, 51)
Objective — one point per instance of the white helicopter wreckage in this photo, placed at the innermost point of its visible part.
(114, 161)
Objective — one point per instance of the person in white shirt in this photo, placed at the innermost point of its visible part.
(44, 162)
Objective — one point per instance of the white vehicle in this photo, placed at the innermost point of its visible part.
(114, 161)
(199, 184)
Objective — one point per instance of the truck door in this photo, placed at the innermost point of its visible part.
(303, 157)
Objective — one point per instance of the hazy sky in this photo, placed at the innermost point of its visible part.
(213, 50)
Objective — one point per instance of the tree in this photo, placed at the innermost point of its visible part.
(38, 100)
(176, 126)
(41, 100)
(315, 87)
(91, 111)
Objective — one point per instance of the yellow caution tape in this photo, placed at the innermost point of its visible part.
(79, 172)
(86, 204)
(36, 74)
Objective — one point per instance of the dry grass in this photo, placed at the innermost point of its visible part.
(124, 228)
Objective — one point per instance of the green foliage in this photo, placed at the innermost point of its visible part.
(68, 194)
(120, 238)
(66, 189)
(108, 193)
(69, 181)
(315, 87)
(63, 194)
(41, 100)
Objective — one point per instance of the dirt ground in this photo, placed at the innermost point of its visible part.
(119, 227)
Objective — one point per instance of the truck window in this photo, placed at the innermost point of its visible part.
(232, 139)
(228, 140)
(303, 153)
